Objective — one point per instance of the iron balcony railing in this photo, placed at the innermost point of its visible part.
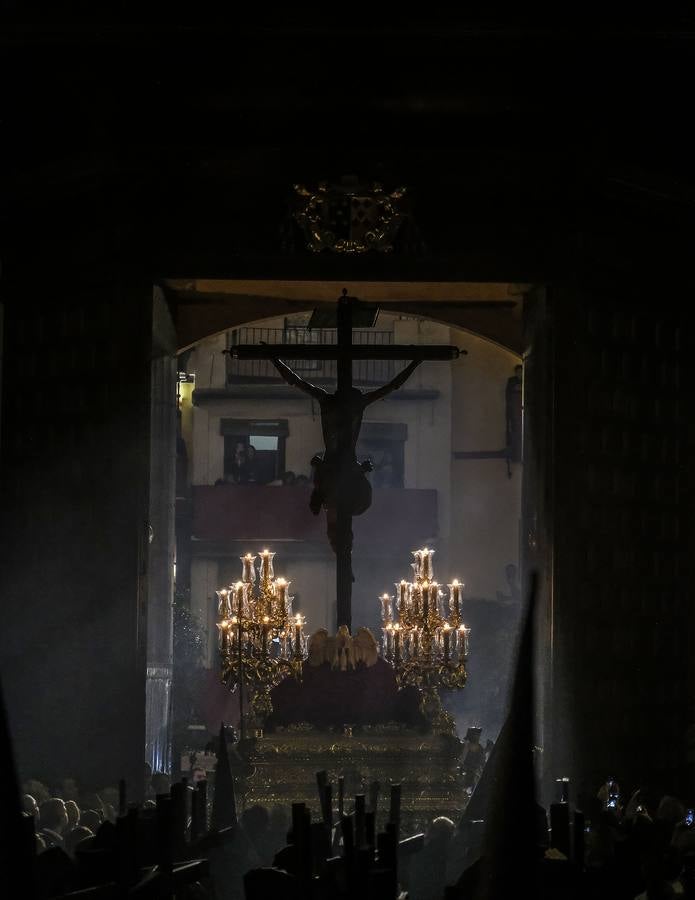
(364, 371)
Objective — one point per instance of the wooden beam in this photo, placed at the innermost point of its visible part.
(481, 454)
(356, 351)
(251, 390)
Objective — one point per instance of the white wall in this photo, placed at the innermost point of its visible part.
(428, 448)
(486, 503)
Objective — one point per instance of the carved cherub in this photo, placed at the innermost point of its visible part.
(321, 648)
(364, 647)
(343, 655)
(342, 651)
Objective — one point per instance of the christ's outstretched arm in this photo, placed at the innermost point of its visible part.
(393, 385)
(294, 380)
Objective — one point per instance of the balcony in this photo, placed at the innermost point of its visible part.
(225, 515)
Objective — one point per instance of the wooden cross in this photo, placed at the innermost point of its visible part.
(343, 411)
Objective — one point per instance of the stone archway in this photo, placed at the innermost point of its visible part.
(207, 306)
(440, 308)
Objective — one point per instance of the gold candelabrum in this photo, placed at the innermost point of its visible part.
(424, 637)
(261, 639)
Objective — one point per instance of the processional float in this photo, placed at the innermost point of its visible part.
(262, 640)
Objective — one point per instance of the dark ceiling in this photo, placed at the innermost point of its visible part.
(175, 146)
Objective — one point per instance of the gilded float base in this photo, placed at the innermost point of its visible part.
(285, 763)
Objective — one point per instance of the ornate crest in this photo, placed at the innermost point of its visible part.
(349, 217)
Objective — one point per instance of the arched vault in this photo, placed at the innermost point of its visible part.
(205, 307)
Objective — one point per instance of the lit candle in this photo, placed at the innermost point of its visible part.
(397, 643)
(224, 634)
(298, 635)
(233, 623)
(388, 637)
(266, 565)
(446, 636)
(281, 592)
(264, 635)
(425, 600)
(427, 563)
(455, 601)
(415, 595)
(240, 593)
(224, 607)
(402, 590)
(417, 565)
(463, 633)
(434, 597)
(248, 572)
(386, 607)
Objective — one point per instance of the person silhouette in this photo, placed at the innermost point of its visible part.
(250, 469)
(237, 473)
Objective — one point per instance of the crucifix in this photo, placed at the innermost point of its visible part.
(340, 483)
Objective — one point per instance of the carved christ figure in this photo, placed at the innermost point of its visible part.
(327, 467)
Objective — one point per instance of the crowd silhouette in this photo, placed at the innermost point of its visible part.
(189, 840)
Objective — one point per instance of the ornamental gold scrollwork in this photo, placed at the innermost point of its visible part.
(349, 217)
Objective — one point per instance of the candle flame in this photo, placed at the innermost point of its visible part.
(281, 582)
(446, 626)
(298, 619)
(455, 582)
(266, 618)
